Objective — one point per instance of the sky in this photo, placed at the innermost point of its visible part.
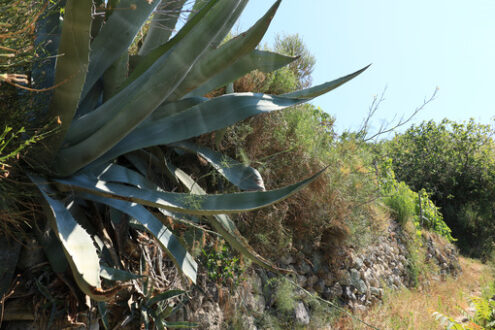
(413, 46)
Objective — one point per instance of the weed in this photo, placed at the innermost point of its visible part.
(223, 266)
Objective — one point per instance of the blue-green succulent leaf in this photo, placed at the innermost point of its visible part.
(76, 242)
(184, 203)
(243, 176)
(257, 60)
(116, 36)
(99, 130)
(203, 118)
(315, 91)
(169, 242)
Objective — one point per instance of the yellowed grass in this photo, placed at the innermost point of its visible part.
(413, 309)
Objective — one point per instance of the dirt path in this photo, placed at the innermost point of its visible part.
(413, 309)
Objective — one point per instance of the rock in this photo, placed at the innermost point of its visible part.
(304, 267)
(355, 277)
(247, 322)
(349, 294)
(317, 261)
(319, 286)
(377, 292)
(311, 280)
(336, 290)
(287, 259)
(374, 281)
(329, 279)
(358, 263)
(301, 280)
(344, 277)
(254, 303)
(301, 314)
(210, 316)
(256, 284)
(361, 287)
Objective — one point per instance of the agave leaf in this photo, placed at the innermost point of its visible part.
(70, 67)
(116, 36)
(164, 296)
(121, 174)
(184, 203)
(180, 324)
(257, 60)
(77, 244)
(91, 100)
(162, 25)
(145, 62)
(53, 249)
(169, 242)
(315, 91)
(230, 23)
(218, 59)
(244, 177)
(224, 226)
(205, 117)
(102, 308)
(115, 76)
(118, 116)
(48, 27)
(113, 274)
(171, 108)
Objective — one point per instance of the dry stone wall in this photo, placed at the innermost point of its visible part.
(357, 279)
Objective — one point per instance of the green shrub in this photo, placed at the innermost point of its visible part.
(455, 164)
(407, 205)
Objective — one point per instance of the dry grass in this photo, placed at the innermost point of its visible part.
(413, 309)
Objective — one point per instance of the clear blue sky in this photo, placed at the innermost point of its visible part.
(414, 47)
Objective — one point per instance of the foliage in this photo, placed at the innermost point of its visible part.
(454, 163)
(122, 124)
(223, 266)
(302, 68)
(408, 205)
(483, 316)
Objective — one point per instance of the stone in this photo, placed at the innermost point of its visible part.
(355, 277)
(319, 286)
(349, 294)
(344, 277)
(301, 280)
(358, 263)
(317, 261)
(247, 322)
(304, 267)
(377, 292)
(210, 316)
(361, 287)
(301, 313)
(374, 281)
(256, 284)
(329, 279)
(287, 259)
(336, 290)
(255, 303)
(311, 280)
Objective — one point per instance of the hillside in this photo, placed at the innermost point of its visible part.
(153, 179)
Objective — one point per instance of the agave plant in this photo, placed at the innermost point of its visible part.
(120, 116)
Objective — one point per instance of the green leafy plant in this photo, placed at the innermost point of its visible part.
(121, 118)
(454, 163)
(223, 266)
(483, 317)
(408, 205)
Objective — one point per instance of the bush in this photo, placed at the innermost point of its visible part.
(455, 164)
(407, 205)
